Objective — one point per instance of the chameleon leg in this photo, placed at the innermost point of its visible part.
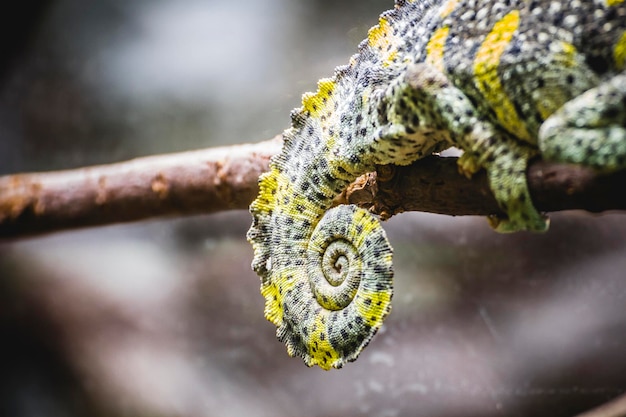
(506, 167)
(507, 178)
(589, 129)
(440, 105)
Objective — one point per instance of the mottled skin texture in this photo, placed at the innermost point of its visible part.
(502, 80)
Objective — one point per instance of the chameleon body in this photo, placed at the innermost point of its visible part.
(504, 80)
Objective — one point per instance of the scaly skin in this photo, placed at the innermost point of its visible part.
(502, 80)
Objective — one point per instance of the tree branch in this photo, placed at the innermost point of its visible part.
(225, 178)
(434, 185)
(204, 181)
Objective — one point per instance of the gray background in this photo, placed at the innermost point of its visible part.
(164, 318)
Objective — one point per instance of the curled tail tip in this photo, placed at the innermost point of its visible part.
(329, 313)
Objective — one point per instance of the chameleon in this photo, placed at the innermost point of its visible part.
(503, 80)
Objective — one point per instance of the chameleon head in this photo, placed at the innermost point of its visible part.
(333, 307)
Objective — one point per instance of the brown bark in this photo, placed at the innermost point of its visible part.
(225, 178)
(434, 185)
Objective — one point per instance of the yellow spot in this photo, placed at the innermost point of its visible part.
(316, 102)
(435, 47)
(619, 52)
(274, 292)
(486, 72)
(614, 2)
(381, 38)
(321, 351)
(376, 35)
(273, 303)
(372, 306)
(268, 184)
(448, 8)
(366, 223)
(569, 53)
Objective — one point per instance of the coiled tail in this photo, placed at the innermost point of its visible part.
(345, 293)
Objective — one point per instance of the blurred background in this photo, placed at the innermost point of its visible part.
(164, 318)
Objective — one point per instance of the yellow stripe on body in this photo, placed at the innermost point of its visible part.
(268, 183)
(437, 43)
(435, 48)
(487, 81)
(614, 2)
(619, 52)
(315, 103)
(372, 310)
(381, 38)
(273, 302)
(320, 349)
